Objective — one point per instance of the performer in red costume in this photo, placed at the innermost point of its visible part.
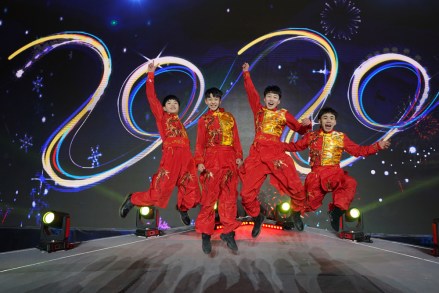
(177, 166)
(325, 149)
(267, 155)
(218, 155)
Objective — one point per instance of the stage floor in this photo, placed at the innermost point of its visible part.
(277, 261)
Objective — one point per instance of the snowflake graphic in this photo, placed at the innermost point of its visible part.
(38, 84)
(293, 77)
(38, 204)
(37, 196)
(94, 157)
(26, 142)
(340, 19)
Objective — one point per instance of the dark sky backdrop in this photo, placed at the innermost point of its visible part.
(209, 34)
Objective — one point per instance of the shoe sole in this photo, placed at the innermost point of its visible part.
(260, 229)
(233, 249)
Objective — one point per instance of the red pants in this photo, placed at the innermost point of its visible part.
(324, 179)
(270, 160)
(177, 168)
(219, 183)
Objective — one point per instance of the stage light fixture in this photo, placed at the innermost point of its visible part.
(352, 225)
(435, 250)
(283, 215)
(55, 231)
(285, 207)
(147, 221)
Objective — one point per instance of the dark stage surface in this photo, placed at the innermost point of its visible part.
(277, 261)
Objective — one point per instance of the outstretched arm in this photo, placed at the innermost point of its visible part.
(252, 93)
(154, 103)
(362, 151)
(297, 146)
(294, 125)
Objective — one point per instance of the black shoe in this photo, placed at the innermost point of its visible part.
(126, 206)
(334, 217)
(258, 224)
(230, 239)
(185, 218)
(298, 223)
(206, 245)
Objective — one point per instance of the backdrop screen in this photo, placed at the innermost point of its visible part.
(77, 132)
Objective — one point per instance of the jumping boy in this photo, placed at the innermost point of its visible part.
(218, 155)
(267, 156)
(177, 166)
(325, 150)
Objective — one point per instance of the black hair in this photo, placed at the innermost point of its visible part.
(170, 97)
(217, 93)
(327, 110)
(273, 89)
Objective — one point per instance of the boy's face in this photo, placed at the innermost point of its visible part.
(171, 107)
(271, 100)
(327, 122)
(212, 102)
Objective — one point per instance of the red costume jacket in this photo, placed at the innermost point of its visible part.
(171, 129)
(216, 129)
(325, 149)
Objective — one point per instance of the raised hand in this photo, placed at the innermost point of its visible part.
(384, 144)
(152, 66)
(245, 66)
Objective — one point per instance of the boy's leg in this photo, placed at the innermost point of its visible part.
(285, 178)
(158, 194)
(189, 194)
(205, 222)
(345, 193)
(253, 175)
(227, 207)
(342, 196)
(314, 192)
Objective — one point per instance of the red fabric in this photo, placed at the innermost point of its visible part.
(314, 141)
(324, 179)
(210, 134)
(267, 157)
(177, 166)
(257, 108)
(219, 181)
(170, 128)
(332, 178)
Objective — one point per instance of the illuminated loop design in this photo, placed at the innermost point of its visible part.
(133, 84)
(50, 150)
(321, 96)
(419, 107)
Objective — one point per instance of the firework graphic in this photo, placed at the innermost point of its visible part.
(340, 19)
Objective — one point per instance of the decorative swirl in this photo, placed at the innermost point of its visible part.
(51, 148)
(319, 99)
